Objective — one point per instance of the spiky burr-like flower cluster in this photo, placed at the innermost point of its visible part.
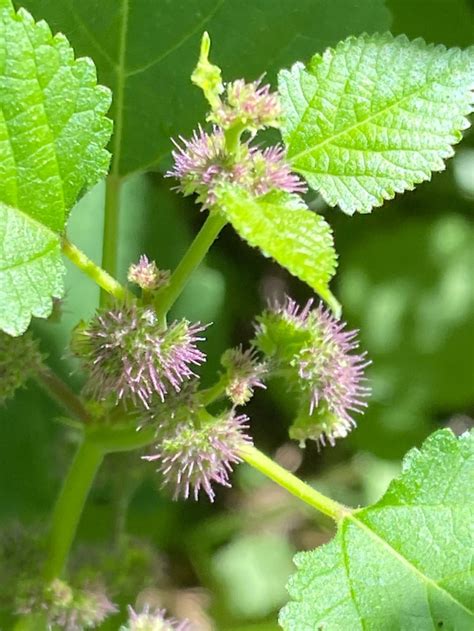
(65, 608)
(19, 359)
(156, 620)
(244, 372)
(317, 353)
(252, 105)
(146, 274)
(203, 163)
(128, 355)
(195, 452)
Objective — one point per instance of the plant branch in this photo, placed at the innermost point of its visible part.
(111, 229)
(293, 485)
(198, 249)
(60, 392)
(69, 506)
(105, 281)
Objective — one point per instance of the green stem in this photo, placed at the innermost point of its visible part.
(209, 395)
(293, 485)
(69, 506)
(105, 281)
(61, 393)
(198, 249)
(111, 229)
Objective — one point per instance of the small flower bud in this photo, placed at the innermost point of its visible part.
(245, 372)
(19, 360)
(195, 453)
(251, 106)
(317, 355)
(153, 621)
(147, 276)
(128, 355)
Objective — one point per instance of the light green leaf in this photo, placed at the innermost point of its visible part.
(375, 116)
(52, 137)
(403, 563)
(146, 50)
(31, 270)
(282, 227)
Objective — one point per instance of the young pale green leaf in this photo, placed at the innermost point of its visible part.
(375, 116)
(282, 227)
(403, 563)
(53, 133)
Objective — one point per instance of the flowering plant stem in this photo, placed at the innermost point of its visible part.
(292, 484)
(198, 249)
(69, 506)
(106, 282)
(111, 229)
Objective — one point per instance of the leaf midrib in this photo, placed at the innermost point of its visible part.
(356, 125)
(425, 579)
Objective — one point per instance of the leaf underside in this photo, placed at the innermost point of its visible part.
(53, 133)
(282, 227)
(403, 563)
(375, 116)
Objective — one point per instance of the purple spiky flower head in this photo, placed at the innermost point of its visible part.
(128, 354)
(323, 367)
(155, 620)
(251, 105)
(245, 372)
(196, 453)
(146, 274)
(202, 164)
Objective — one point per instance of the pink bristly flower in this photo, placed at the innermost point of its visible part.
(322, 365)
(128, 355)
(202, 162)
(155, 620)
(245, 372)
(193, 456)
(252, 105)
(334, 373)
(146, 274)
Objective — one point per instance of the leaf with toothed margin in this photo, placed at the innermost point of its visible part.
(282, 227)
(375, 116)
(403, 563)
(53, 133)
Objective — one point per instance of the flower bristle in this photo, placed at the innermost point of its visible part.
(20, 357)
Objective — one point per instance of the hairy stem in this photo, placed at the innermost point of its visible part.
(61, 393)
(106, 282)
(111, 229)
(214, 392)
(293, 485)
(69, 506)
(198, 249)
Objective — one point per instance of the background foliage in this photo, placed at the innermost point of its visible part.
(405, 278)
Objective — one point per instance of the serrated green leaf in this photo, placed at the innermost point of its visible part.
(31, 270)
(375, 116)
(282, 227)
(53, 131)
(146, 50)
(403, 563)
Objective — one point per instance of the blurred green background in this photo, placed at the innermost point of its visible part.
(405, 279)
